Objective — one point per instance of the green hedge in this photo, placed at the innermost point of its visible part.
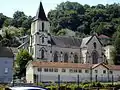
(93, 85)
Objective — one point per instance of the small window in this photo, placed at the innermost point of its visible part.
(111, 72)
(104, 71)
(6, 70)
(94, 44)
(63, 70)
(56, 70)
(96, 71)
(42, 26)
(42, 54)
(50, 51)
(75, 70)
(50, 70)
(80, 71)
(70, 70)
(39, 69)
(42, 39)
(45, 69)
(86, 71)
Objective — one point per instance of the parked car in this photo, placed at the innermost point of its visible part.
(27, 88)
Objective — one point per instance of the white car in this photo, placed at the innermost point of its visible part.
(27, 88)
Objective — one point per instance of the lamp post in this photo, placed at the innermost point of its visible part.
(112, 80)
(91, 74)
(58, 81)
(78, 80)
(96, 78)
(40, 74)
(90, 69)
(101, 77)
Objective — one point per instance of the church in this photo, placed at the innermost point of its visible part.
(66, 56)
(46, 47)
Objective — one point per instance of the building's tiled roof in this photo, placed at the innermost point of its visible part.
(40, 14)
(114, 67)
(6, 52)
(64, 41)
(103, 36)
(60, 65)
(71, 65)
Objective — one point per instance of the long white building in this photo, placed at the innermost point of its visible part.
(49, 71)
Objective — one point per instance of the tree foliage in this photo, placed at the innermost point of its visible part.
(22, 59)
(103, 19)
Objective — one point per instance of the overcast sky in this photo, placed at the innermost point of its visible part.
(29, 7)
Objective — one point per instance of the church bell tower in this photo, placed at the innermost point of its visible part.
(39, 35)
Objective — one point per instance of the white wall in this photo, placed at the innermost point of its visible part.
(72, 76)
(100, 75)
(29, 74)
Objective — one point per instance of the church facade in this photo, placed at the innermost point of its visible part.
(43, 46)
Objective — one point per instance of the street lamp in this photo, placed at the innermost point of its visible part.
(101, 77)
(112, 79)
(78, 80)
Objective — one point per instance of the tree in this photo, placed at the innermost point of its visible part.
(22, 59)
(2, 19)
(27, 23)
(116, 51)
(7, 22)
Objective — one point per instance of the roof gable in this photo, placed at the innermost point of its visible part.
(92, 38)
(100, 64)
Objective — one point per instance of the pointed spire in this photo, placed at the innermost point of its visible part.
(40, 13)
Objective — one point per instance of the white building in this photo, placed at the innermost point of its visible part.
(49, 71)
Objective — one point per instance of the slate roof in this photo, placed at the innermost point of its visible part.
(40, 14)
(84, 41)
(23, 44)
(64, 41)
(60, 65)
(6, 52)
(103, 36)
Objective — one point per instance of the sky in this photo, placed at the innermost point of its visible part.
(29, 7)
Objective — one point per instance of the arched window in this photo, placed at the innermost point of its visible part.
(42, 26)
(42, 54)
(94, 57)
(55, 57)
(75, 59)
(42, 39)
(94, 44)
(65, 57)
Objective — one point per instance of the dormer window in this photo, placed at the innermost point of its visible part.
(42, 26)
